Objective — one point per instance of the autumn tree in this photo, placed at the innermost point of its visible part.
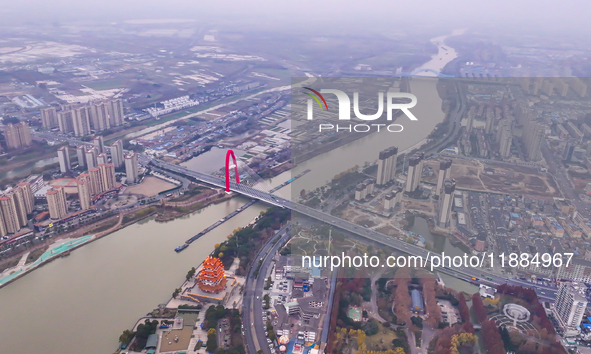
(492, 338)
(478, 308)
(463, 308)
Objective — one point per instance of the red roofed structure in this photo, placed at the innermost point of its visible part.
(212, 278)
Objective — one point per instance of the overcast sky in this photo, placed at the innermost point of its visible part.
(566, 16)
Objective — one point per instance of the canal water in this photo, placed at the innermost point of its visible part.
(440, 243)
(82, 303)
(28, 168)
(210, 161)
(458, 284)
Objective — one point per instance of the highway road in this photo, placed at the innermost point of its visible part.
(252, 310)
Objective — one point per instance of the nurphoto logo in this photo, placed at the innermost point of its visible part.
(392, 103)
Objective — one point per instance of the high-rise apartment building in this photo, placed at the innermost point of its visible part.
(131, 168)
(91, 158)
(445, 202)
(20, 203)
(570, 305)
(102, 158)
(116, 115)
(63, 156)
(25, 189)
(533, 133)
(96, 186)
(56, 200)
(415, 171)
(17, 135)
(444, 174)
(99, 143)
(81, 155)
(84, 191)
(99, 116)
(505, 140)
(117, 153)
(49, 118)
(65, 121)
(107, 173)
(81, 121)
(10, 214)
(387, 160)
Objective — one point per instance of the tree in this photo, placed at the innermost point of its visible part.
(272, 335)
(478, 308)
(492, 338)
(191, 273)
(212, 341)
(126, 336)
(417, 321)
(463, 308)
(267, 301)
(371, 327)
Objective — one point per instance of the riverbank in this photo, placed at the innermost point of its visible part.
(123, 220)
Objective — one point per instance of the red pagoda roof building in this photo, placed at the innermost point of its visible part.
(212, 277)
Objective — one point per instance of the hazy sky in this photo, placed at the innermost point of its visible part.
(527, 14)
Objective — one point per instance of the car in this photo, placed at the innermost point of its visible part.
(269, 341)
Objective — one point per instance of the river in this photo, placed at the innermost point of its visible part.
(82, 303)
(445, 54)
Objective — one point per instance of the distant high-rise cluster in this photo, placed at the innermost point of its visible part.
(387, 165)
(17, 135)
(100, 176)
(15, 204)
(80, 120)
(550, 86)
(504, 137)
(415, 171)
(533, 134)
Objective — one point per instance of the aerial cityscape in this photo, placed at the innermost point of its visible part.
(243, 179)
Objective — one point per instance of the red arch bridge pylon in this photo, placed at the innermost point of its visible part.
(228, 154)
